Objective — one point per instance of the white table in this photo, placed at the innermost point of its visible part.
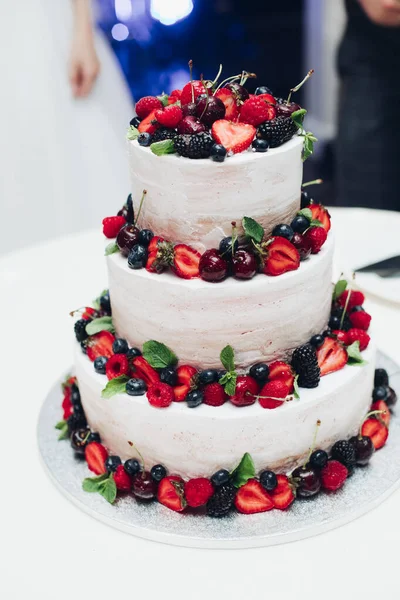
(54, 551)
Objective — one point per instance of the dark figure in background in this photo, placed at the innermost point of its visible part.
(368, 144)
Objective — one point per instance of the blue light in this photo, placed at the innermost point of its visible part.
(168, 12)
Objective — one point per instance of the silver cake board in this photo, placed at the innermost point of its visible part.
(368, 487)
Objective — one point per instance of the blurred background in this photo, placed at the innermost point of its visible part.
(142, 47)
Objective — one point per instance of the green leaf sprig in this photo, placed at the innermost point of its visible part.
(307, 213)
(253, 230)
(103, 485)
(62, 426)
(163, 147)
(227, 357)
(159, 355)
(111, 248)
(244, 471)
(339, 288)
(354, 355)
(100, 324)
(132, 133)
(308, 138)
(115, 386)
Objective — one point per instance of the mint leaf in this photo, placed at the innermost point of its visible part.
(163, 147)
(132, 133)
(163, 98)
(159, 355)
(96, 302)
(308, 144)
(62, 426)
(244, 471)
(253, 229)
(306, 212)
(298, 117)
(115, 386)
(316, 223)
(111, 248)
(100, 324)
(108, 489)
(92, 484)
(227, 357)
(296, 393)
(354, 355)
(339, 288)
(229, 382)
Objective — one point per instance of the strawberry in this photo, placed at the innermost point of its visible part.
(331, 356)
(251, 498)
(356, 299)
(236, 137)
(214, 394)
(185, 377)
(192, 90)
(230, 102)
(281, 257)
(95, 455)
(149, 124)
(340, 335)
(170, 493)
(122, 479)
(147, 105)
(174, 96)
(271, 392)
(186, 261)
(333, 475)
(153, 246)
(376, 430)
(170, 116)
(281, 371)
(153, 265)
(283, 494)
(143, 370)
(160, 256)
(100, 344)
(354, 335)
(320, 214)
(112, 225)
(117, 365)
(67, 404)
(255, 111)
(360, 320)
(246, 391)
(198, 491)
(385, 414)
(180, 392)
(160, 395)
(316, 237)
(87, 313)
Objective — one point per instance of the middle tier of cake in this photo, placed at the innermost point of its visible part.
(264, 319)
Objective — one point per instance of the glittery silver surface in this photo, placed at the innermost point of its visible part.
(366, 489)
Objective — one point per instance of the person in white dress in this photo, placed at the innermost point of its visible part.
(64, 111)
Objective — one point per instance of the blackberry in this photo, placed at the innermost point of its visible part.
(76, 397)
(344, 452)
(84, 347)
(305, 364)
(221, 502)
(194, 146)
(163, 134)
(76, 421)
(80, 330)
(277, 131)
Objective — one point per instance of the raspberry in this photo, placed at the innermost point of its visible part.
(198, 491)
(67, 404)
(170, 116)
(122, 479)
(214, 394)
(360, 320)
(340, 335)
(333, 475)
(316, 236)
(354, 335)
(255, 111)
(356, 299)
(112, 225)
(146, 105)
(160, 395)
(117, 365)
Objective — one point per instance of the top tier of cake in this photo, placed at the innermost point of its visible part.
(195, 201)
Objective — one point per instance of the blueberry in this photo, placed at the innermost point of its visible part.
(194, 398)
(259, 372)
(75, 396)
(120, 346)
(145, 236)
(381, 377)
(208, 376)
(137, 257)
(158, 472)
(379, 393)
(268, 480)
(105, 303)
(327, 332)
(305, 199)
(263, 89)
(144, 139)
(283, 230)
(100, 364)
(94, 437)
(334, 322)
(220, 477)
(111, 463)
(317, 340)
(218, 153)
(225, 247)
(260, 145)
(318, 459)
(221, 373)
(135, 387)
(135, 122)
(133, 353)
(168, 375)
(132, 466)
(300, 223)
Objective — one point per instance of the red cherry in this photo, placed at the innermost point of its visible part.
(189, 109)
(212, 266)
(246, 391)
(285, 110)
(144, 486)
(239, 91)
(209, 111)
(127, 237)
(302, 244)
(244, 264)
(190, 125)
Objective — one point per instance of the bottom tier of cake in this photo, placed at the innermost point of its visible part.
(198, 442)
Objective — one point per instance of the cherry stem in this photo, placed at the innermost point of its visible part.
(286, 399)
(217, 76)
(231, 79)
(299, 85)
(372, 413)
(140, 456)
(234, 237)
(140, 207)
(314, 182)
(207, 99)
(191, 77)
(312, 447)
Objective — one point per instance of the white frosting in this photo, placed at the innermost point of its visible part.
(263, 319)
(197, 442)
(195, 201)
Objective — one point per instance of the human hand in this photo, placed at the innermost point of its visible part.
(382, 12)
(84, 66)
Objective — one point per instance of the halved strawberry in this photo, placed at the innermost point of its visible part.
(236, 137)
(331, 356)
(320, 213)
(231, 105)
(171, 493)
(149, 123)
(153, 264)
(252, 498)
(281, 257)
(283, 494)
(185, 378)
(180, 392)
(281, 371)
(144, 371)
(385, 414)
(186, 261)
(376, 430)
(95, 455)
(100, 344)
(153, 246)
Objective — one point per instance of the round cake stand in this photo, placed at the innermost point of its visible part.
(367, 488)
